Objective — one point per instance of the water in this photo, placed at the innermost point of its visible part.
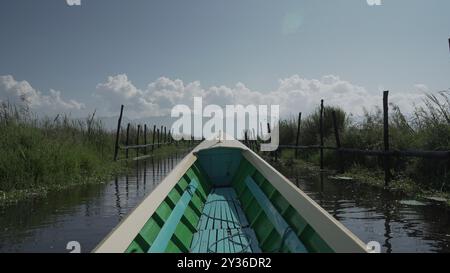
(85, 214)
(397, 223)
(88, 213)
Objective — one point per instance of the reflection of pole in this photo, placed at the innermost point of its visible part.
(126, 186)
(321, 181)
(137, 175)
(117, 194)
(387, 228)
(145, 173)
(153, 171)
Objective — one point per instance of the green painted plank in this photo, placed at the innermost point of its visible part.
(171, 224)
(286, 232)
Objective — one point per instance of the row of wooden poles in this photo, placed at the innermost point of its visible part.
(386, 153)
(160, 137)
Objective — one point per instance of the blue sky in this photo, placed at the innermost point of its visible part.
(401, 46)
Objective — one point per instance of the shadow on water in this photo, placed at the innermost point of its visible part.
(85, 213)
(377, 215)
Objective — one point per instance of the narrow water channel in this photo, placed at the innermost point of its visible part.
(88, 213)
(85, 214)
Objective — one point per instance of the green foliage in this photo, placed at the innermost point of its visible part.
(428, 128)
(39, 153)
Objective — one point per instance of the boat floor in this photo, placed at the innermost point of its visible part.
(223, 227)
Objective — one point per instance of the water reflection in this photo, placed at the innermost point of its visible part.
(85, 214)
(377, 215)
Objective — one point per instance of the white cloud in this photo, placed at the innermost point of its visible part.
(293, 94)
(22, 93)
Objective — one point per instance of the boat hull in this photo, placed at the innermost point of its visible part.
(224, 198)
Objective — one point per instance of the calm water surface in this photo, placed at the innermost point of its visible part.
(397, 223)
(88, 213)
(85, 214)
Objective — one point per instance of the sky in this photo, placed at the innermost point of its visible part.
(152, 55)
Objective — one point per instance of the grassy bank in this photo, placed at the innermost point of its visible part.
(38, 155)
(401, 184)
(427, 128)
(41, 155)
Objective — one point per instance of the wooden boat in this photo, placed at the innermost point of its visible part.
(224, 198)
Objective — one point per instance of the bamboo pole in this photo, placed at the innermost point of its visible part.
(127, 140)
(119, 122)
(145, 139)
(159, 137)
(298, 132)
(386, 159)
(165, 135)
(153, 138)
(137, 139)
(321, 134)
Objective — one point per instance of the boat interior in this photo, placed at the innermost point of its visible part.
(223, 204)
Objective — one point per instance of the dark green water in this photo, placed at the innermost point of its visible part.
(87, 214)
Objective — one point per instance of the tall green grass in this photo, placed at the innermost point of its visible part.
(43, 153)
(428, 128)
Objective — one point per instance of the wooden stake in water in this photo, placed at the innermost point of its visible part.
(153, 138)
(127, 140)
(116, 147)
(321, 134)
(145, 139)
(298, 133)
(386, 159)
(137, 139)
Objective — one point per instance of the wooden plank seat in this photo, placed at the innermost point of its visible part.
(223, 227)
